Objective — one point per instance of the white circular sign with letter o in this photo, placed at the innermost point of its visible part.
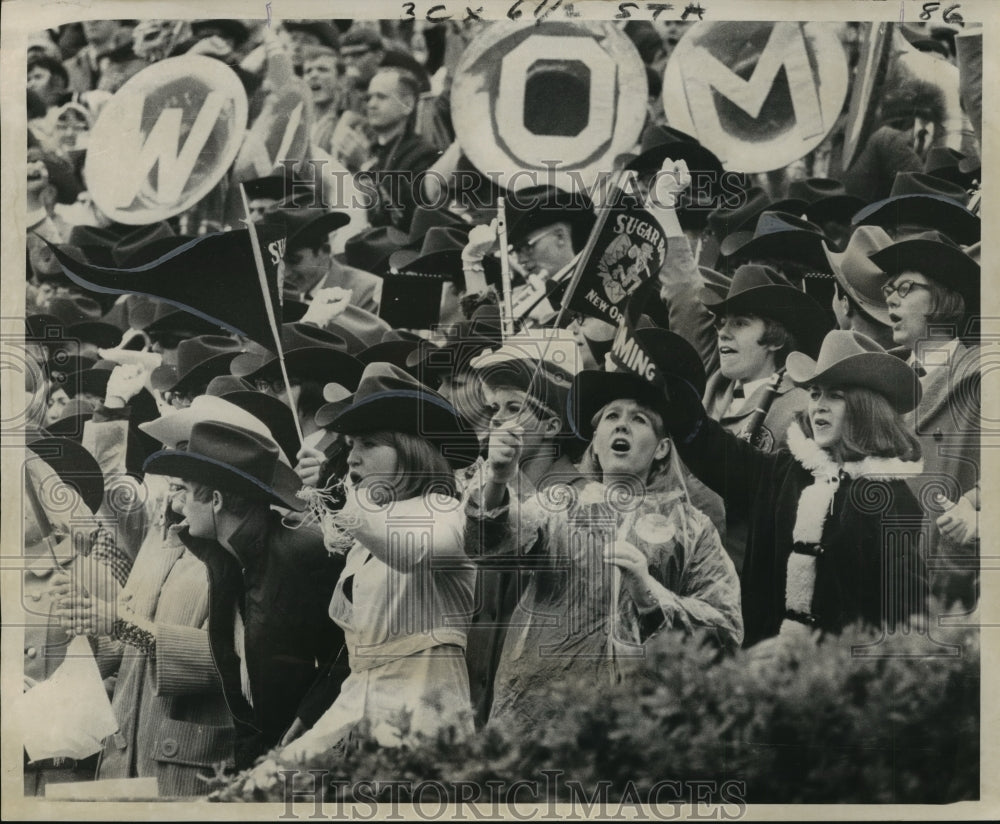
(558, 100)
(165, 139)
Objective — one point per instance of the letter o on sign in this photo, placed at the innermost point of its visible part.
(759, 95)
(555, 98)
(165, 139)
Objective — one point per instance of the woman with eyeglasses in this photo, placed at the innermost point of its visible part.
(932, 294)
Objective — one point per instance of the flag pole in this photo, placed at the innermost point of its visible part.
(584, 256)
(505, 280)
(269, 306)
(595, 233)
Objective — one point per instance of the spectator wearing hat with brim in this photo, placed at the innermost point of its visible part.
(525, 385)
(199, 359)
(174, 723)
(269, 585)
(313, 358)
(817, 557)
(609, 572)
(448, 366)
(309, 264)
(300, 35)
(404, 557)
(921, 202)
(166, 326)
(932, 294)
(858, 301)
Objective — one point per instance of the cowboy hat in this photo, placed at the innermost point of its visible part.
(389, 399)
(858, 276)
(953, 166)
(848, 358)
(760, 290)
(464, 341)
(74, 417)
(303, 226)
(74, 465)
(926, 201)
(199, 359)
(80, 318)
(310, 353)
(125, 249)
(371, 249)
(594, 389)
(541, 206)
(269, 187)
(166, 319)
(275, 414)
(937, 257)
(359, 327)
(825, 200)
(225, 456)
(779, 236)
(173, 430)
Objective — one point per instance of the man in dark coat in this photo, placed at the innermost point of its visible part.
(270, 586)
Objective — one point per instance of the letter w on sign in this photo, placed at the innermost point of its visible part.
(164, 149)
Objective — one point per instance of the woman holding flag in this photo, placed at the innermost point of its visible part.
(616, 561)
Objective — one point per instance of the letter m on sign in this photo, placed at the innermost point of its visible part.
(162, 148)
(785, 48)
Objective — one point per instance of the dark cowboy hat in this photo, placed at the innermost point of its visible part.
(74, 465)
(858, 276)
(233, 29)
(660, 142)
(425, 219)
(439, 252)
(937, 257)
(825, 200)
(760, 290)
(594, 389)
(199, 360)
(303, 226)
(389, 351)
(779, 236)
(539, 207)
(165, 318)
(953, 166)
(924, 201)
(733, 217)
(359, 327)
(269, 187)
(848, 358)
(275, 414)
(310, 353)
(80, 318)
(123, 250)
(370, 250)
(227, 457)
(324, 32)
(463, 342)
(389, 399)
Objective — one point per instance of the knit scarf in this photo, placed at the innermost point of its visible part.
(816, 504)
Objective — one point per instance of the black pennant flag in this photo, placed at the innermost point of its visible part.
(214, 277)
(627, 253)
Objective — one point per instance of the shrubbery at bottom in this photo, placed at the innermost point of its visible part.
(834, 721)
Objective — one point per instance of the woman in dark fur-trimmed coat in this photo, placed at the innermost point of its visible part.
(834, 530)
